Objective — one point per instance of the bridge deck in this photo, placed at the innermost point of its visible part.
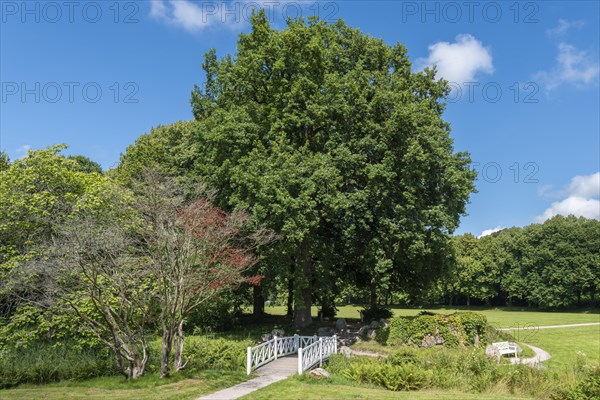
(287, 365)
(269, 373)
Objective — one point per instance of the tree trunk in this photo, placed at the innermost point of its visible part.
(302, 315)
(258, 304)
(178, 363)
(290, 297)
(373, 297)
(165, 353)
(468, 300)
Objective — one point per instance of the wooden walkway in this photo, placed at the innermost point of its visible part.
(272, 372)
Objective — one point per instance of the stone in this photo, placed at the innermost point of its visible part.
(318, 374)
(266, 337)
(374, 325)
(346, 351)
(372, 334)
(430, 341)
(325, 331)
(383, 323)
(278, 332)
(341, 324)
(362, 332)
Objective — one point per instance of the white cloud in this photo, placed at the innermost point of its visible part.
(458, 62)
(194, 17)
(573, 66)
(490, 231)
(563, 27)
(582, 199)
(585, 186)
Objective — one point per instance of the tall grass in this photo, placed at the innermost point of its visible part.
(468, 370)
(42, 363)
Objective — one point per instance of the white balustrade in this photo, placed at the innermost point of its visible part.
(276, 347)
(316, 352)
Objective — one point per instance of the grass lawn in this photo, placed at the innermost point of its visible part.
(295, 388)
(563, 344)
(499, 317)
(148, 387)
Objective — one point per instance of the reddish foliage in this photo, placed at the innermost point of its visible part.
(217, 233)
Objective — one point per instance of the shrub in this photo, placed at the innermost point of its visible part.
(206, 353)
(388, 375)
(376, 312)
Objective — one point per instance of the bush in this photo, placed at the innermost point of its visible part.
(206, 353)
(43, 363)
(388, 375)
(452, 330)
(375, 313)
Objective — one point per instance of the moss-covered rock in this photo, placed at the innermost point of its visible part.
(429, 329)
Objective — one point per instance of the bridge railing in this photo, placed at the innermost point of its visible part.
(276, 347)
(316, 352)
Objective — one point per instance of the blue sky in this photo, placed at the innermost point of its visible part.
(525, 99)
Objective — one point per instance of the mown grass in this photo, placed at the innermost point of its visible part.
(148, 387)
(501, 317)
(564, 344)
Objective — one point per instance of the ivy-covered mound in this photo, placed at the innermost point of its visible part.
(429, 329)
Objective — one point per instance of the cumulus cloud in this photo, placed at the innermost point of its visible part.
(490, 231)
(582, 199)
(460, 61)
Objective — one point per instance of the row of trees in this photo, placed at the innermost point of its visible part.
(554, 264)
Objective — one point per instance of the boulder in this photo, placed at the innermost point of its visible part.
(372, 334)
(266, 337)
(325, 331)
(278, 332)
(362, 332)
(341, 324)
(318, 374)
(383, 323)
(430, 341)
(374, 325)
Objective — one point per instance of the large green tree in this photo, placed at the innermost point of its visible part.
(325, 134)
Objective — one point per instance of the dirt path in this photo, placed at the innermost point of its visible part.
(532, 327)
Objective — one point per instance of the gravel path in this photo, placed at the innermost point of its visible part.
(540, 355)
(532, 327)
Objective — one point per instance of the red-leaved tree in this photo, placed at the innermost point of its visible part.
(195, 251)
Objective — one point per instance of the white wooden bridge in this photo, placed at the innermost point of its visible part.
(277, 359)
(310, 351)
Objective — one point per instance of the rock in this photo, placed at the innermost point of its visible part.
(429, 341)
(325, 331)
(374, 325)
(266, 337)
(346, 351)
(383, 323)
(341, 324)
(362, 332)
(318, 373)
(372, 334)
(278, 332)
